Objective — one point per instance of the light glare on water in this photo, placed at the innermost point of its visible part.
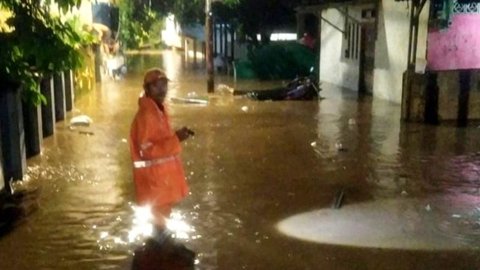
(142, 223)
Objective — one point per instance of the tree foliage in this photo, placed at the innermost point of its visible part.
(251, 17)
(137, 18)
(38, 44)
(260, 17)
(187, 12)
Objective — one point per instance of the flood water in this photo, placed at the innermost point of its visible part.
(263, 176)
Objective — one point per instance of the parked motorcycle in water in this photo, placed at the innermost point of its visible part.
(301, 88)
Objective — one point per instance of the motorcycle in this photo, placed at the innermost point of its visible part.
(300, 88)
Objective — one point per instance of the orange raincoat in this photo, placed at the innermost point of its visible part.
(154, 147)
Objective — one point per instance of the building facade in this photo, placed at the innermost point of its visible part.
(417, 53)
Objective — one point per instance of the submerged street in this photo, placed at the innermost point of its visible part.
(263, 177)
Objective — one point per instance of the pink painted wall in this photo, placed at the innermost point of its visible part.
(457, 47)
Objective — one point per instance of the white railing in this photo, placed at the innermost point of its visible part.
(466, 8)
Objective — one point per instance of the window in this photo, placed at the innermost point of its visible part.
(352, 41)
(369, 13)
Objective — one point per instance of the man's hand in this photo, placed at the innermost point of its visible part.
(184, 133)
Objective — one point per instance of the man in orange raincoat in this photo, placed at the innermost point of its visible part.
(155, 148)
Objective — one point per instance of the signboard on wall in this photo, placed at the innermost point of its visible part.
(454, 35)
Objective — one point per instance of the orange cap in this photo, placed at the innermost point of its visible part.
(153, 75)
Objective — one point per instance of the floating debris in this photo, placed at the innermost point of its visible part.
(81, 120)
(245, 108)
(456, 216)
(428, 208)
(313, 144)
(88, 133)
(404, 193)
(225, 89)
(199, 101)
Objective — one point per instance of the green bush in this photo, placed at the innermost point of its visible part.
(38, 45)
(282, 60)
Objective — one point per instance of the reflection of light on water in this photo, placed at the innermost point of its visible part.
(172, 65)
(179, 227)
(119, 241)
(142, 223)
(103, 235)
(140, 228)
(395, 223)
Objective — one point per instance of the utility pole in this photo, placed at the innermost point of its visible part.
(209, 45)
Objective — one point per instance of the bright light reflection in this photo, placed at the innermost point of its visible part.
(394, 223)
(119, 241)
(171, 35)
(142, 223)
(178, 226)
(103, 235)
(142, 227)
(280, 36)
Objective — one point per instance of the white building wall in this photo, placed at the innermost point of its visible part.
(391, 48)
(334, 68)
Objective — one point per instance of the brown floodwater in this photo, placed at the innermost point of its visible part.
(263, 176)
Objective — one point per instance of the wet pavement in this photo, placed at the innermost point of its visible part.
(263, 176)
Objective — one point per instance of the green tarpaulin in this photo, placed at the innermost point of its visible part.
(279, 60)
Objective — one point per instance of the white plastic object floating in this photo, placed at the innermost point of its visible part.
(190, 100)
(81, 120)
